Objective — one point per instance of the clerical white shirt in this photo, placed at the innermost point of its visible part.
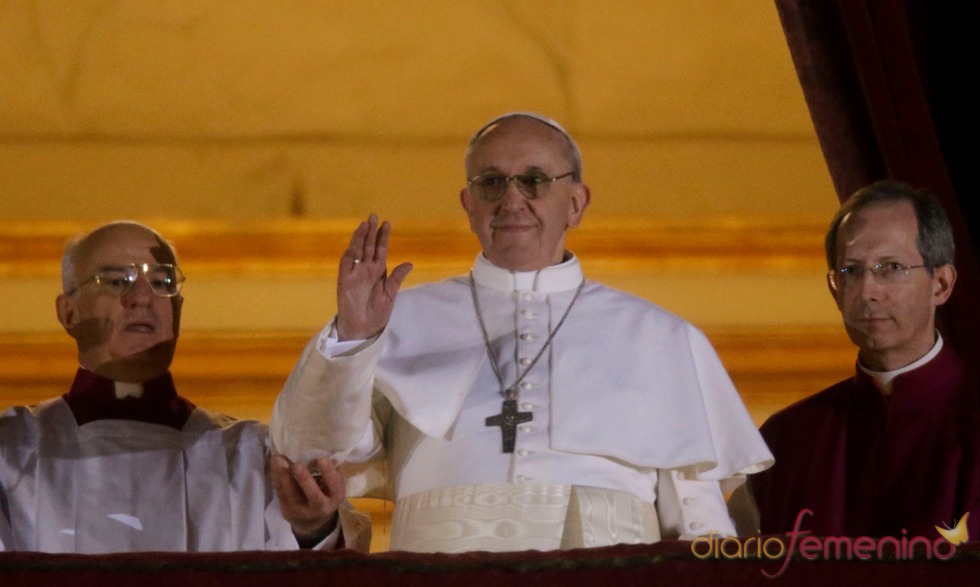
(125, 486)
(625, 392)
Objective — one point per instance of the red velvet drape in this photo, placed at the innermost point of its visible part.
(889, 88)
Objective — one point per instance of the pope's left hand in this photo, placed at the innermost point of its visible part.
(309, 503)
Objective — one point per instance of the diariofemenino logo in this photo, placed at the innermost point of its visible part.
(829, 547)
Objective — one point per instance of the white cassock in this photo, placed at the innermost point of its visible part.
(126, 486)
(636, 427)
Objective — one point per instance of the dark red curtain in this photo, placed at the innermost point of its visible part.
(889, 85)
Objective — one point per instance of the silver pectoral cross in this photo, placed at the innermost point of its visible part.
(508, 419)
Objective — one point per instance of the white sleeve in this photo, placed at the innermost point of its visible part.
(689, 508)
(6, 532)
(12, 438)
(324, 408)
(353, 531)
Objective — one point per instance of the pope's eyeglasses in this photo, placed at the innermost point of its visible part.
(491, 187)
(165, 279)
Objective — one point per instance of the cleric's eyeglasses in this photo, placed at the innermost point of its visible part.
(164, 279)
(491, 187)
(883, 273)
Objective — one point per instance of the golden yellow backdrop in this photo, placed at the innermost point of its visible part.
(255, 133)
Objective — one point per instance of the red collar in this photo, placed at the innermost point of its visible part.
(94, 398)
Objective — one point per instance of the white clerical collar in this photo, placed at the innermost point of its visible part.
(884, 378)
(125, 389)
(565, 276)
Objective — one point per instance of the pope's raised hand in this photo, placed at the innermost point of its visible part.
(365, 289)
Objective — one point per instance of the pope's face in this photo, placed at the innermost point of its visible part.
(128, 337)
(517, 233)
(892, 324)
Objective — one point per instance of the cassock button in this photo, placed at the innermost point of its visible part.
(527, 385)
(522, 479)
(689, 500)
(525, 361)
(526, 429)
(523, 452)
(527, 336)
(528, 313)
(695, 526)
(527, 406)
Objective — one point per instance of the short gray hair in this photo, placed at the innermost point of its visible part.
(935, 237)
(574, 154)
(69, 259)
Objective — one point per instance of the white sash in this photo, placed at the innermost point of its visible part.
(509, 517)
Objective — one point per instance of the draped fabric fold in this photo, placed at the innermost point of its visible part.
(887, 84)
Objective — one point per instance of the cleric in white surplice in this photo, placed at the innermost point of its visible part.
(520, 406)
(121, 462)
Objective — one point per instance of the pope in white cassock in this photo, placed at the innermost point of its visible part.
(121, 462)
(520, 406)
